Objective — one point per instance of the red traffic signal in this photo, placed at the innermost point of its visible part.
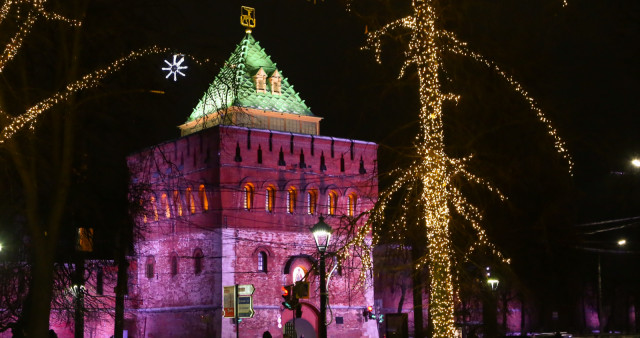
(370, 308)
(285, 292)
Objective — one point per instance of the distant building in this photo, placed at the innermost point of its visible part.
(231, 202)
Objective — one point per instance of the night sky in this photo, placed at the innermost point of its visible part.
(579, 63)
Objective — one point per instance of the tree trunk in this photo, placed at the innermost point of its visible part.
(418, 314)
(41, 289)
(121, 290)
(78, 287)
(523, 326)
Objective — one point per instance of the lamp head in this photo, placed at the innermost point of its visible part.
(493, 282)
(321, 234)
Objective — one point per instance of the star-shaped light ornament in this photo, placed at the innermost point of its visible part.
(174, 68)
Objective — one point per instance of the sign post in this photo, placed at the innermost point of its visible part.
(229, 302)
(245, 301)
(237, 303)
(245, 307)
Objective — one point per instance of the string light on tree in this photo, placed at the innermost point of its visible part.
(175, 67)
(34, 12)
(88, 81)
(428, 183)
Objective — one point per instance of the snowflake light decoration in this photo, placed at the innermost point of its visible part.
(174, 68)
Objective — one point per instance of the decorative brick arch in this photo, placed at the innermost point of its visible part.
(260, 248)
(289, 265)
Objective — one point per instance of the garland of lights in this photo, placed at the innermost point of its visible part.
(36, 11)
(88, 81)
(430, 177)
(24, 27)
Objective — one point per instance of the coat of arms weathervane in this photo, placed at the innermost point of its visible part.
(248, 17)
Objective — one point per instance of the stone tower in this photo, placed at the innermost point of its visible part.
(231, 202)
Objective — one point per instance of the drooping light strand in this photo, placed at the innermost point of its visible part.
(55, 16)
(13, 46)
(4, 10)
(460, 47)
(88, 81)
(35, 11)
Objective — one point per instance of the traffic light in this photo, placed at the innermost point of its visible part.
(371, 314)
(301, 290)
(290, 300)
(366, 313)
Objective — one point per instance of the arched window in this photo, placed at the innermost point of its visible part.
(198, 259)
(248, 196)
(149, 267)
(191, 203)
(173, 263)
(177, 202)
(154, 208)
(270, 199)
(353, 200)
(291, 200)
(262, 261)
(312, 200)
(332, 202)
(298, 274)
(203, 198)
(164, 203)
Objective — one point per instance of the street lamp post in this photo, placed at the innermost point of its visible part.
(621, 243)
(322, 234)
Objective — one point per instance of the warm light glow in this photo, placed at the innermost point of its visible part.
(622, 242)
(248, 196)
(312, 199)
(154, 208)
(298, 274)
(291, 200)
(203, 198)
(636, 162)
(429, 182)
(332, 202)
(164, 202)
(351, 208)
(177, 202)
(191, 203)
(270, 199)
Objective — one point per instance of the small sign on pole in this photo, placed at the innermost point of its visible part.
(246, 289)
(229, 302)
(245, 307)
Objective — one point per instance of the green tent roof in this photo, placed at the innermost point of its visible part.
(234, 85)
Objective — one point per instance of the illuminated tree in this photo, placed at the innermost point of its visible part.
(41, 133)
(431, 182)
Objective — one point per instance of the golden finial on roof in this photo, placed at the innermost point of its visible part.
(248, 17)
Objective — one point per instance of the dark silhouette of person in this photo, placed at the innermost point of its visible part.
(266, 334)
